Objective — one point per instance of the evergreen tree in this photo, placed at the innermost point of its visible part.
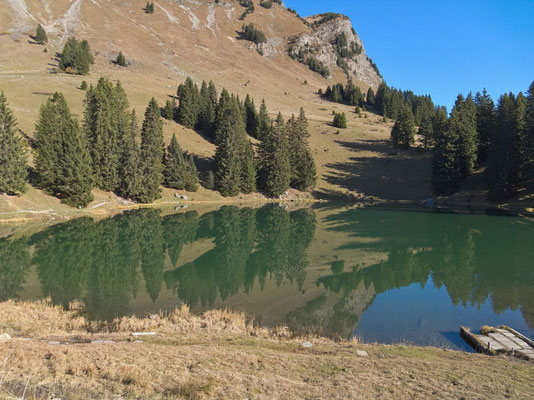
(485, 124)
(130, 163)
(275, 164)
(106, 124)
(228, 163)
(168, 111)
(340, 120)
(152, 152)
(13, 168)
(303, 170)
(264, 122)
(251, 116)
(62, 158)
(188, 108)
(75, 179)
(426, 131)
(445, 171)
(248, 168)
(370, 97)
(403, 132)
(463, 121)
(529, 119)
(180, 172)
(83, 85)
(206, 117)
(121, 60)
(40, 35)
(76, 57)
(518, 172)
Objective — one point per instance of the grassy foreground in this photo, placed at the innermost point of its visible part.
(223, 355)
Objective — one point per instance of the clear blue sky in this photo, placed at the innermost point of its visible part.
(443, 48)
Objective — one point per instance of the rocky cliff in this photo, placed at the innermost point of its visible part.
(331, 42)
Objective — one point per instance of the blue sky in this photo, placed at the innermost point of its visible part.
(443, 48)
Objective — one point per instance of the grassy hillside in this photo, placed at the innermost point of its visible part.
(200, 39)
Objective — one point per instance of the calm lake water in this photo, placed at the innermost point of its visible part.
(386, 276)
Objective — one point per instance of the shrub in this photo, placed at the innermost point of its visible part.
(340, 120)
(250, 32)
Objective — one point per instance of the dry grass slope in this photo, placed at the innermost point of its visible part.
(222, 355)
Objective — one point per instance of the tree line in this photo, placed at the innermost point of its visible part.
(107, 150)
(479, 134)
(282, 158)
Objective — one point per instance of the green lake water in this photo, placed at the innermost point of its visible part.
(382, 275)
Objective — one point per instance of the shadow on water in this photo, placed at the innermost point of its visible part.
(477, 262)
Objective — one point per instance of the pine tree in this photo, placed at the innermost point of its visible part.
(76, 57)
(303, 170)
(152, 152)
(264, 122)
(168, 111)
(463, 122)
(500, 156)
(62, 158)
(191, 183)
(248, 168)
(228, 161)
(403, 132)
(340, 120)
(75, 179)
(206, 117)
(106, 123)
(188, 108)
(519, 150)
(529, 119)
(370, 97)
(83, 85)
(445, 171)
(130, 162)
(426, 131)
(40, 35)
(121, 60)
(275, 165)
(13, 167)
(175, 166)
(252, 116)
(485, 124)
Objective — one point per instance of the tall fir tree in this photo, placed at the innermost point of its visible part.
(403, 132)
(151, 154)
(529, 119)
(463, 121)
(130, 162)
(248, 168)
(168, 111)
(189, 104)
(62, 159)
(106, 124)
(303, 170)
(370, 97)
(228, 163)
(519, 150)
(426, 132)
(275, 164)
(206, 117)
(445, 175)
(179, 173)
(485, 124)
(40, 35)
(264, 122)
(251, 116)
(13, 160)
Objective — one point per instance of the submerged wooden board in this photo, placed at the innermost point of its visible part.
(500, 340)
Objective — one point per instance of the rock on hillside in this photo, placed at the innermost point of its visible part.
(333, 41)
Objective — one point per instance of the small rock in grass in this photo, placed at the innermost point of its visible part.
(54, 343)
(362, 353)
(307, 345)
(5, 338)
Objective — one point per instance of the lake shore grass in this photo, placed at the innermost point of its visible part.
(57, 353)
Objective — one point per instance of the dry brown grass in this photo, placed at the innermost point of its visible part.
(223, 355)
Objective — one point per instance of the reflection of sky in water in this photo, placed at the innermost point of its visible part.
(427, 316)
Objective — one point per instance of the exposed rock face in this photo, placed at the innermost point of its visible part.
(333, 42)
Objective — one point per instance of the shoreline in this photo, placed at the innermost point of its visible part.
(56, 352)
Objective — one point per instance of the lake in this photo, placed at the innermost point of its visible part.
(382, 275)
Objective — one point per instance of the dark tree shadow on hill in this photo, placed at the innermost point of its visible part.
(389, 174)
